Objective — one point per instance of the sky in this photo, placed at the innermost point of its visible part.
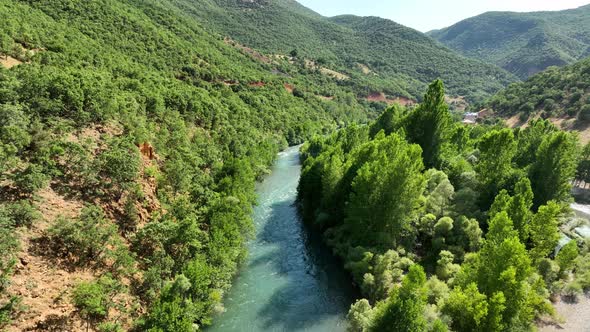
(426, 15)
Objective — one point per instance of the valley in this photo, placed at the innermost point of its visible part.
(232, 165)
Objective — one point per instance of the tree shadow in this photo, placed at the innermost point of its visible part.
(317, 287)
(54, 323)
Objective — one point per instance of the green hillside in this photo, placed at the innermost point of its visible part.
(522, 43)
(377, 55)
(130, 142)
(555, 92)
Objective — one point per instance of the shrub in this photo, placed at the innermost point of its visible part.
(91, 300)
(110, 327)
(8, 246)
(31, 179)
(86, 237)
(549, 270)
(23, 213)
(566, 256)
(572, 290)
(94, 299)
(120, 163)
(584, 114)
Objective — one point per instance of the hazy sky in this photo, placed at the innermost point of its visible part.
(425, 15)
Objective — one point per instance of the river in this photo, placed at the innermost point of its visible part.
(291, 281)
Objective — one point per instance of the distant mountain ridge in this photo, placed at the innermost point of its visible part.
(522, 43)
(376, 54)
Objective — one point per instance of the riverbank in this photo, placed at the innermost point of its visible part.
(291, 281)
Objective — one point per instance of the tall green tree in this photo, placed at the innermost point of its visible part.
(517, 207)
(554, 169)
(497, 148)
(404, 310)
(501, 270)
(429, 125)
(529, 140)
(583, 170)
(385, 192)
(544, 231)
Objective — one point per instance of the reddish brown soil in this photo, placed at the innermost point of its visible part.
(381, 97)
(45, 288)
(256, 55)
(256, 84)
(290, 88)
(45, 283)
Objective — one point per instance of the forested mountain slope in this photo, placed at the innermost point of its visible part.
(375, 55)
(557, 93)
(130, 141)
(522, 43)
(446, 226)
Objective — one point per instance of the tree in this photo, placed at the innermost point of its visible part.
(6, 44)
(404, 310)
(120, 163)
(467, 307)
(87, 238)
(583, 170)
(445, 269)
(501, 270)
(529, 140)
(360, 316)
(554, 169)
(440, 193)
(584, 114)
(544, 231)
(385, 192)
(566, 256)
(519, 208)
(31, 179)
(430, 124)
(389, 121)
(497, 148)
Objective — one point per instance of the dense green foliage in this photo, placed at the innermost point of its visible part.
(164, 230)
(522, 43)
(400, 60)
(98, 79)
(555, 92)
(481, 220)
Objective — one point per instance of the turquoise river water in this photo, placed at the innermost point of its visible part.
(291, 281)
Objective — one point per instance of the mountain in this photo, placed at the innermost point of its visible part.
(130, 142)
(554, 93)
(522, 43)
(373, 55)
